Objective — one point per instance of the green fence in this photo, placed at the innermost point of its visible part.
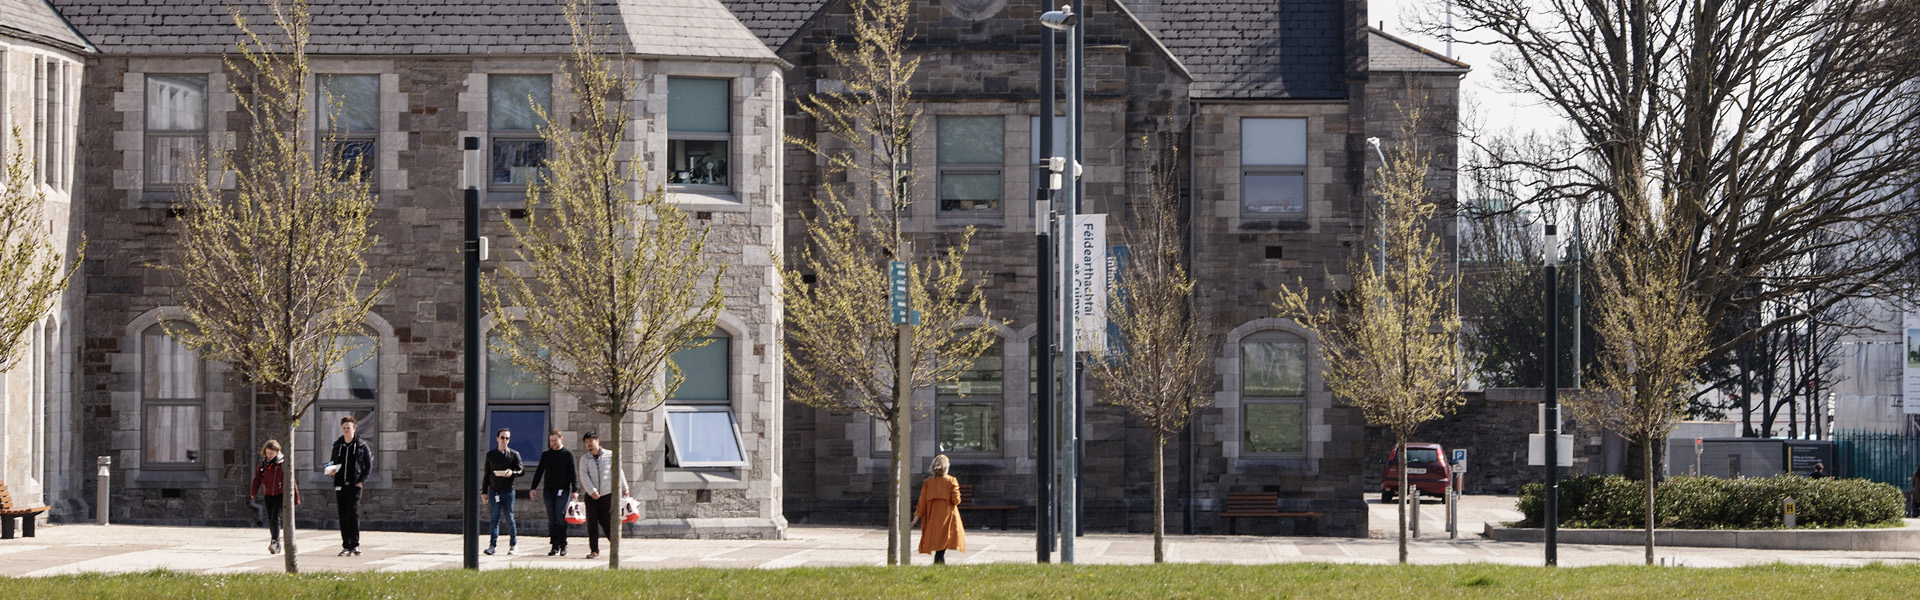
(1885, 458)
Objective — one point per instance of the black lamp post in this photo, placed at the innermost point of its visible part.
(1043, 323)
(470, 441)
(1551, 382)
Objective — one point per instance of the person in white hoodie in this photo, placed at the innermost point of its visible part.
(595, 480)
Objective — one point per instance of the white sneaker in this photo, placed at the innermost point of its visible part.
(511, 549)
(273, 547)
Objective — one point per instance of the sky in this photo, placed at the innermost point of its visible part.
(1486, 106)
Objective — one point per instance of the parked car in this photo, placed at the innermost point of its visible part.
(1427, 471)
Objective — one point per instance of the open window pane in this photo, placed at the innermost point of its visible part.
(1275, 427)
(511, 100)
(517, 162)
(176, 102)
(971, 141)
(1273, 369)
(1275, 194)
(697, 162)
(705, 370)
(697, 105)
(351, 102)
(969, 191)
(173, 434)
(970, 427)
(528, 427)
(1273, 142)
(703, 438)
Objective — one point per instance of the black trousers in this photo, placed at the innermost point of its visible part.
(275, 502)
(597, 509)
(348, 500)
(556, 501)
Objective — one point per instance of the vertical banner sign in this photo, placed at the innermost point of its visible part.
(1910, 385)
(897, 291)
(1089, 281)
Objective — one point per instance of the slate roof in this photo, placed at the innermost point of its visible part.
(775, 21)
(36, 20)
(651, 28)
(1254, 49)
(1391, 54)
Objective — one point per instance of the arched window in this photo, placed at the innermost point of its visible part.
(969, 407)
(518, 398)
(1273, 390)
(701, 430)
(172, 403)
(352, 389)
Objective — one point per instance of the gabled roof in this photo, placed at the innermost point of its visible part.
(36, 20)
(647, 28)
(1387, 53)
(775, 21)
(1254, 49)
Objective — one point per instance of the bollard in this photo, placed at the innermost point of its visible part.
(102, 487)
(1413, 494)
(1791, 518)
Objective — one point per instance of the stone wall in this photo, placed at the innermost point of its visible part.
(1492, 427)
(427, 105)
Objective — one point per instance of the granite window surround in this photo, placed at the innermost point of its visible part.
(130, 143)
(1233, 400)
(378, 408)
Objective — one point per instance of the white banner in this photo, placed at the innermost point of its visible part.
(1910, 358)
(1089, 247)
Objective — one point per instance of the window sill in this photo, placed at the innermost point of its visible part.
(324, 482)
(1275, 464)
(193, 479)
(1271, 224)
(698, 200)
(677, 479)
(981, 219)
(977, 463)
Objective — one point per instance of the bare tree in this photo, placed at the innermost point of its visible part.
(1391, 348)
(845, 352)
(1654, 336)
(1770, 132)
(272, 274)
(1160, 369)
(33, 270)
(611, 284)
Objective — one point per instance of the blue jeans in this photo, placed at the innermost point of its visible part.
(502, 501)
(556, 501)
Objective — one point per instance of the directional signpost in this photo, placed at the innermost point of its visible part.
(897, 295)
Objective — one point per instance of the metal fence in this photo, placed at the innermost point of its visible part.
(1886, 458)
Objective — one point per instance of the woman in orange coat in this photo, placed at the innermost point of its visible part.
(938, 513)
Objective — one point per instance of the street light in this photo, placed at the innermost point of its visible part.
(472, 251)
(1067, 165)
(1380, 227)
(1551, 254)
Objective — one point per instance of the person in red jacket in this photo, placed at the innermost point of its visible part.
(270, 480)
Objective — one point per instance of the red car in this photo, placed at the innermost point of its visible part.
(1427, 471)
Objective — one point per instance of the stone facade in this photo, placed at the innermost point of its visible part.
(41, 64)
(1149, 69)
(430, 97)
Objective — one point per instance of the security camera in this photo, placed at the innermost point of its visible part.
(1062, 19)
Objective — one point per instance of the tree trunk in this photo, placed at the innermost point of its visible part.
(902, 481)
(290, 497)
(614, 526)
(1647, 463)
(895, 526)
(1400, 454)
(1159, 497)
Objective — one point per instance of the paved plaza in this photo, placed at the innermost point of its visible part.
(79, 548)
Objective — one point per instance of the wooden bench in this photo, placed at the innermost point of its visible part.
(1257, 504)
(966, 503)
(8, 513)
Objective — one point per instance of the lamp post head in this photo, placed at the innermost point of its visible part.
(1062, 19)
(1552, 250)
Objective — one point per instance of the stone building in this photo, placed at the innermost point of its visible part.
(1271, 103)
(412, 79)
(41, 61)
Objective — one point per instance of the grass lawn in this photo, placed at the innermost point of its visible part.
(1015, 581)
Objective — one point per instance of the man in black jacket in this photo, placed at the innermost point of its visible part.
(556, 467)
(352, 460)
(503, 466)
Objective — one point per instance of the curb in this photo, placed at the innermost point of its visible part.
(1868, 540)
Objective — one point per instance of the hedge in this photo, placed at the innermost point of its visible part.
(1615, 502)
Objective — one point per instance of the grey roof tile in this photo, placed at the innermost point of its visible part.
(1388, 53)
(666, 28)
(36, 19)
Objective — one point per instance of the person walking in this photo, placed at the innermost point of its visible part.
(1819, 471)
(351, 460)
(503, 466)
(269, 482)
(595, 476)
(938, 513)
(557, 469)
